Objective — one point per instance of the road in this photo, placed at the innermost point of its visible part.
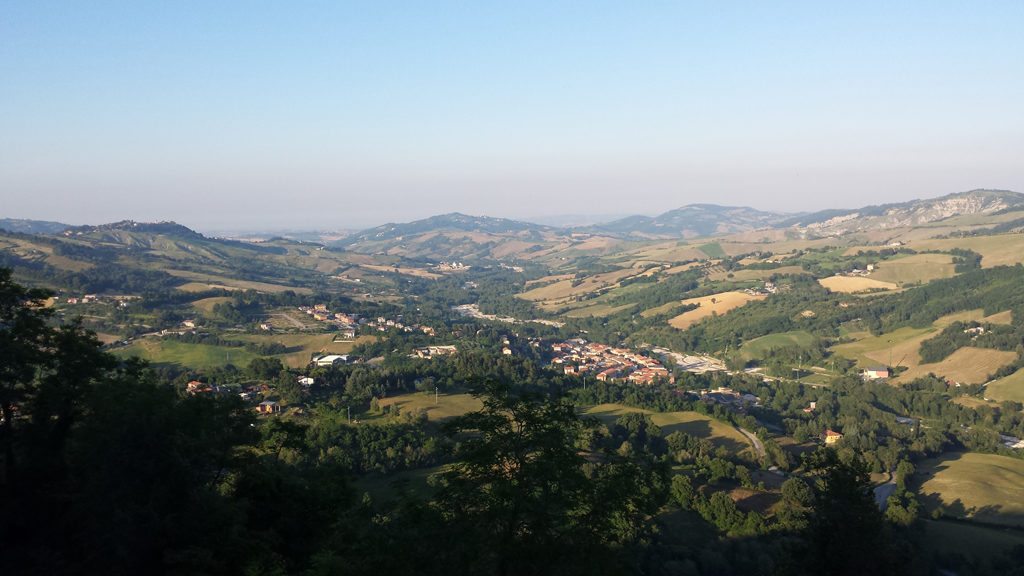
(883, 492)
(758, 446)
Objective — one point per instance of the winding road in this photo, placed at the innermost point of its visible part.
(758, 446)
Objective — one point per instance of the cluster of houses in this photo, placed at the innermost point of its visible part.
(858, 272)
(120, 301)
(726, 397)
(606, 363)
(769, 288)
(433, 351)
(451, 266)
(349, 324)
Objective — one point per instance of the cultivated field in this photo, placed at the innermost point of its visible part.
(447, 406)
(984, 487)
(996, 250)
(212, 281)
(848, 284)
(967, 365)
(723, 302)
(1008, 388)
(418, 272)
(914, 268)
(564, 289)
(692, 423)
(748, 274)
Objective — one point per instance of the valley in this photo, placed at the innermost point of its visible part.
(724, 343)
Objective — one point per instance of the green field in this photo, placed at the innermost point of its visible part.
(159, 351)
(969, 540)
(758, 348)
(983, 487)
(388, 488)
(713, 250)
(447, 405)
(302, 347)
(691, 423)
(1008, 388)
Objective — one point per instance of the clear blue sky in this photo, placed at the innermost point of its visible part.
(236, 115)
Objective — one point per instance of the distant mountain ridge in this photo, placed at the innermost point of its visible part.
(31, 226)
(906, 214)
(692, 221)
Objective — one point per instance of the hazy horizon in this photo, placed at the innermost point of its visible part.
(312, 116)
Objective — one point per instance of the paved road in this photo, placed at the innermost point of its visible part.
(883, 492)
(754, 440)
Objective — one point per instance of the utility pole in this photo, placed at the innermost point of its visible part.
(435, 395)
(890, 354)
(349, 409)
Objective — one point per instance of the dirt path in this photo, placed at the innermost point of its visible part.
(294, 322)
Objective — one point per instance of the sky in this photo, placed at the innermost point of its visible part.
(340, 115)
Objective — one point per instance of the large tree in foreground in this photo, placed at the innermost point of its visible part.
(529, 496)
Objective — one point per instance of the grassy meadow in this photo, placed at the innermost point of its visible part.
(1009, 388)
(692, 423)
(984, 487)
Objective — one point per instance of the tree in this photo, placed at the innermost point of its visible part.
(847, 533)
(519, 499)
(23, 337)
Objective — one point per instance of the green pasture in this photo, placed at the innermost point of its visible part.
(983, 487)
(1009, 388)
(759, 348)
(161, 351)
(692, 423)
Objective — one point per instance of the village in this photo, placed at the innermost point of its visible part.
(349, 324)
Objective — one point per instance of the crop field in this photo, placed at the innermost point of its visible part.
(160, 351)
(1005, 317)
(984, 487)
(759, 347)
(723, 302)
(967, 365)
(213, 281)
(672, 251)
(597, 310)
(417, 272)
(692, 423)
(746, 275)
(447, 405)
(1009, 388)
(564, 289)
(996, 250)
(971, 365)
(848, 284)
(915, 268)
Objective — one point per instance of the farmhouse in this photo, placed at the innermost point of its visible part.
(831, 437)
(268, 407)
(876, 372)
